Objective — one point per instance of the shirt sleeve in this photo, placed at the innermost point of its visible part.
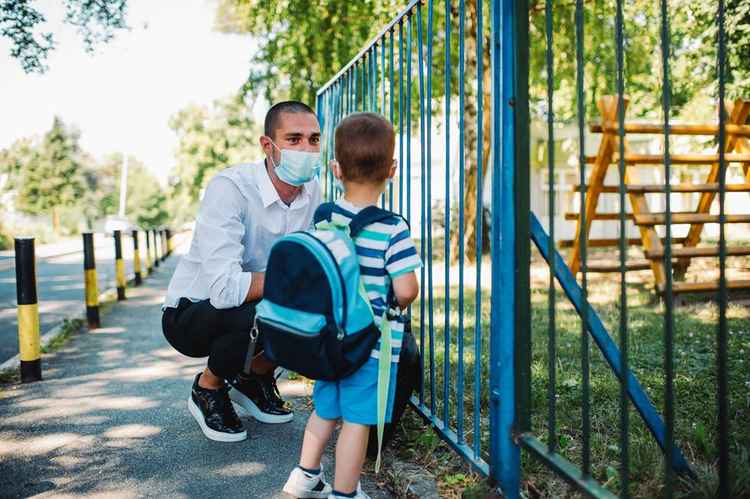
(401, 255)
(220, 231)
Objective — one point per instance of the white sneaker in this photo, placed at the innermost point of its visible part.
(301, 485)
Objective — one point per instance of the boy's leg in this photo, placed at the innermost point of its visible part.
(317, 434)
(350, 456)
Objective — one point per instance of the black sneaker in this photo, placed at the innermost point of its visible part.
(259, 396)
(215, 414)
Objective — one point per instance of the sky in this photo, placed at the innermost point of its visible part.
(122, 96)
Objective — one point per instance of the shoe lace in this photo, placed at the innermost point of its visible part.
(226, 403)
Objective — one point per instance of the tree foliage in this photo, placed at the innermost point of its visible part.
(210, 138)
(302, 44)
(96, 22)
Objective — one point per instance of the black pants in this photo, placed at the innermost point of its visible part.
(197, 329)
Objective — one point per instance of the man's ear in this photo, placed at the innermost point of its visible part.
(266, 145)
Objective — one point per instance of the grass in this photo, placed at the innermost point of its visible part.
(694, 388)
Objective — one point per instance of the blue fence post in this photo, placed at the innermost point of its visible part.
(504, 453)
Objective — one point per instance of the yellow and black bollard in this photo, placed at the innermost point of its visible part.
(169, 240)
(136, 260)
(90, 281)
(164, 245)
(156, 248)
(28, 311)
(149, 268)
(119, 267)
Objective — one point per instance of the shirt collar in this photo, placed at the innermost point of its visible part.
(270, 195)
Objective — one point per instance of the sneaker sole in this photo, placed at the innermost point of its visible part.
(301, 493)
(210, 433)
(249, 406)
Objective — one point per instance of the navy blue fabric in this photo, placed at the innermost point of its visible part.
(296, 280)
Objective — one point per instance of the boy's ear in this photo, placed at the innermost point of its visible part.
(336, 168)
(392, 173)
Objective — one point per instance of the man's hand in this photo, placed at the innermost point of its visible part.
(256, 287)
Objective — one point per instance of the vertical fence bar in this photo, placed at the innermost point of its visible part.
(447, 231)
(422, 196)
(29, 343)
(408, 115)
(722, 362)
(119, 266)
(401, 116)
(668, 298)
(585, 409)
(428, 165)
(91, 284)
(382, 101)
(623, 246)
(137, 259)
(477, 440)
(460, 193)
(391, 85)
(551, 301)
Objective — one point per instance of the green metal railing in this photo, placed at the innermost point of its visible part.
(478, 387)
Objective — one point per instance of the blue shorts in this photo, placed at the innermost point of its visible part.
(354, 398)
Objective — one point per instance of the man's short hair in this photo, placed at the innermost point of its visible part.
(364, 147)
(273, 116)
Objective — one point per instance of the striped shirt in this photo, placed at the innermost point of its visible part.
(385, 251)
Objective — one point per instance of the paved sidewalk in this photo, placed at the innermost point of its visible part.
(110, 420)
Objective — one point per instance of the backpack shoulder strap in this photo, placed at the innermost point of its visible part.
(367, 216)
(323, 212)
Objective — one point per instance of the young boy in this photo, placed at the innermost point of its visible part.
(387, 258)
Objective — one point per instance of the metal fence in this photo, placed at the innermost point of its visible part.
(453, 78)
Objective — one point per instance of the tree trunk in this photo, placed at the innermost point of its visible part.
(471, 128)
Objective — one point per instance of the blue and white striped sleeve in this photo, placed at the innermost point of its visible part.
(401, 255)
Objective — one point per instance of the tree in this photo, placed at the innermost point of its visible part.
(51, 175)
(210, 138)
(96, 20)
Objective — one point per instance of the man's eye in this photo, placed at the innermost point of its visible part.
(315, 140)
(294, 141)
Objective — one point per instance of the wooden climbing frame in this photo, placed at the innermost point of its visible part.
(736, 150)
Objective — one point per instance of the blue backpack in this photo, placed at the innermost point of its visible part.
(315, 318)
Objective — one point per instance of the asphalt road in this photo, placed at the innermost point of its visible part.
(60, 288)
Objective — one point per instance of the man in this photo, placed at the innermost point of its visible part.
(210, 303)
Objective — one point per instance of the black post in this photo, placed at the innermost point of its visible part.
(156, 248)
(136, 260)
(90, 280)
(28, 311)
(119, 267)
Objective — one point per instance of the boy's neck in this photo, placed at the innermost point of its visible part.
(362, 195)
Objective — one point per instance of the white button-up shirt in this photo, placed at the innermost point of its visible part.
(241, 216)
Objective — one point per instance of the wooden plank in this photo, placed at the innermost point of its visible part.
(599, 216)
(660, 188)
(687, 129)
(608, 243)
(611, 266)
(693, 252)
(681, 159)
(705, 287)
(689, 218)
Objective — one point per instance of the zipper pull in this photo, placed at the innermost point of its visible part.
(254, 333)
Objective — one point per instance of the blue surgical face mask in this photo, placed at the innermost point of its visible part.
(296, 167)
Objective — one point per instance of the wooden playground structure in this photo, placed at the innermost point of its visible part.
(686, 248)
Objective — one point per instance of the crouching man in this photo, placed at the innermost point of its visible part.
(210, 303)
